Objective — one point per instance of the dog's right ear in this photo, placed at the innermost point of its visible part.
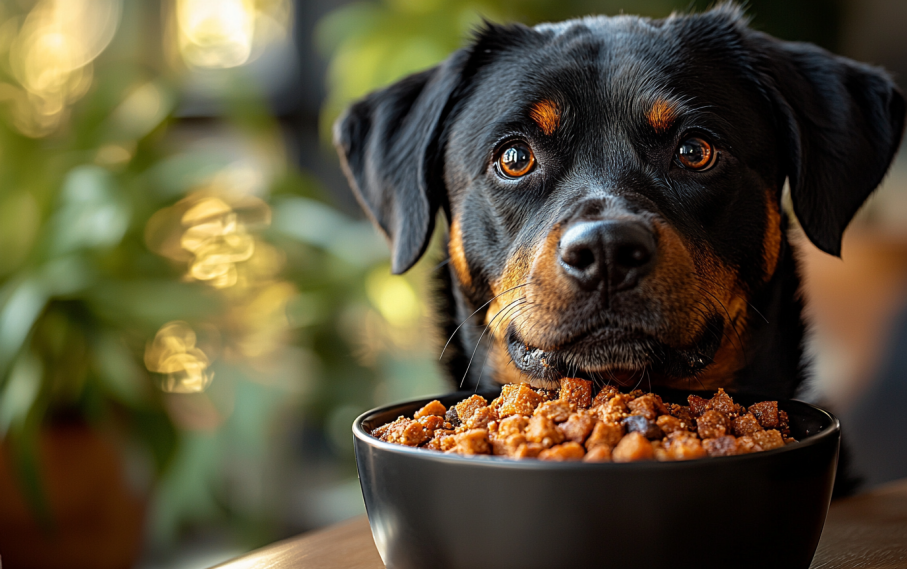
(390, 150)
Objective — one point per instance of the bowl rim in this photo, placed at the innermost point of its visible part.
(488, 461)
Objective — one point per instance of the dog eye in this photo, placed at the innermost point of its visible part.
(695, 154)
(516, 160)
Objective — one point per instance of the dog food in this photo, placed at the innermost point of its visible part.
(570, 425)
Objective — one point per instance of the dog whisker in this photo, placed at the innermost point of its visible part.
(473, 314)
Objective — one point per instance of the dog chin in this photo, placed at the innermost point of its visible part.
(622, 362)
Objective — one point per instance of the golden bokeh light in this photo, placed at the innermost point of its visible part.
(220, 34)
(174, 353)
(51, 58)
(217, 240)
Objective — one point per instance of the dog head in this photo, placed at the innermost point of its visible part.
(613, 185)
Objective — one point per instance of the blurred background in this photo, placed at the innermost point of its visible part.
(193, 309)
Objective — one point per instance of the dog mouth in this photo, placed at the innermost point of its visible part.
(611, 355)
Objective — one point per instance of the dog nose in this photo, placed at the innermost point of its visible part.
(619, 252)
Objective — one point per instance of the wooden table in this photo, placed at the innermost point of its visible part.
(864, 532)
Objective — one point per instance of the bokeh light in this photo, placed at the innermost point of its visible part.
(220, 34)
(174, 354)
(51, 58)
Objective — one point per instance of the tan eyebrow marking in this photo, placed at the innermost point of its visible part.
(547, 115)
(662, 114)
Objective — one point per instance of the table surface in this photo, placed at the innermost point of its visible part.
(868, 531)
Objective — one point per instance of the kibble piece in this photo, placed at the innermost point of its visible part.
(518, 399)
(481, 418)
(712, 424)
(632, 448)
(600, 453)
(528, 450)
(698, 405)
(649, 406)
(605, 395)
(433, 408)
(578, 426)
(746, 425)
(404, 431)
(768, 440)
(431, 423)
(452, 417)
(746, 445)
(606, 434)
(557, 410)
(614, 410)
(723, 403)
(507, 446)
(468, 406)
(783, 423)
(684, 446)
(563, 453)
(577, 392)
(513, 425)
(683, 413)
(670, 424)
(474, 441)
(721, 446)
(542, 430)
(767, 414)
(643, 426)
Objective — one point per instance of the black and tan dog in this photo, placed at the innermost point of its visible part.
(614, 193)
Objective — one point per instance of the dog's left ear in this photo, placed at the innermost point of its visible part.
(844, 122)
(389, 146)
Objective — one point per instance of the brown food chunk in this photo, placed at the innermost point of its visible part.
(649, 406)
(528, 450)
(474, 441)
(606, 393)
(442, 441)
(670, 424)
(635, 393)
(746, 445)
(507, 446)
(431, 423)
(564, 452)
(468, 406)
(513, 425)
(767, 414)
(723, 403)
(407, 432)
(721, 446)
(783, 423)
(577, 392)
(614, 410)
(746, 425)
(433, 408)
(605, 434)
(578, 426)
(542, 430)
(599, 453)
(698, 405)
(684, 446)
(767, 440)
(712, 424)
(683, 413)
(557, 410)
(632, 448)
(481, 418)
(518, 399)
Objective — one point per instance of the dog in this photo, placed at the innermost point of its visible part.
(614, 190)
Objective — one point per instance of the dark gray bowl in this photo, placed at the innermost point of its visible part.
(433, 510)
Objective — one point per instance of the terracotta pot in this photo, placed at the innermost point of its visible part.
(98, 519)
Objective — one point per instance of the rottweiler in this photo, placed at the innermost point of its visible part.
(614, 189)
